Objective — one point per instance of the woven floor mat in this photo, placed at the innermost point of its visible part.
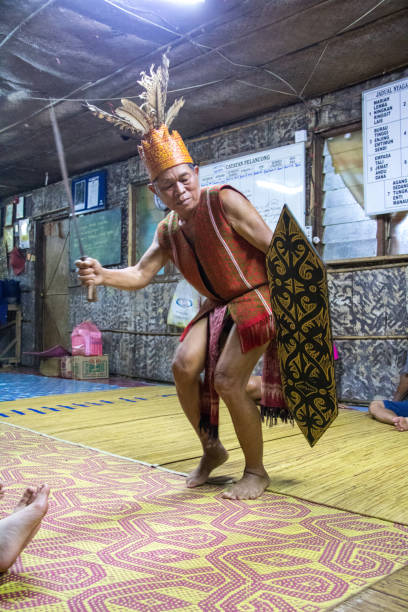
(120, 535)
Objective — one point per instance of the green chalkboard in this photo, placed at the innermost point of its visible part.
(100, 236)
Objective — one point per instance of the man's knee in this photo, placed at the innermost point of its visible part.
(226, 384)
(184, 368)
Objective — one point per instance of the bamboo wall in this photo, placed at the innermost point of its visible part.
(365, 303)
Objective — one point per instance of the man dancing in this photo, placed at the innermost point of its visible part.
(218, 241)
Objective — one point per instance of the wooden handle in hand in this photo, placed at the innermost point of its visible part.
(92, 296)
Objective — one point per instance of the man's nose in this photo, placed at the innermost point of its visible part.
(180, 187)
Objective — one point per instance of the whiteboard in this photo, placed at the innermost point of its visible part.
(385, 148)
(269, 179)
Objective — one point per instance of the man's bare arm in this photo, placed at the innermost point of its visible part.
(91, 272)
(245, 219)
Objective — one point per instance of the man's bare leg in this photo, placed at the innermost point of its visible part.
(401, 423)
(231, 377)
(19, 528)
(381, 413)
(188, 363)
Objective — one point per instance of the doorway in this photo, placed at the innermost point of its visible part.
(55, 280)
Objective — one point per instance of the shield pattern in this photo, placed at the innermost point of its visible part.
(299, 296)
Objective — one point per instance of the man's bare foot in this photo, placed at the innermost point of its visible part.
(212, 458)
(27, 498)
(250, 486)
(401, 423)
(19, 528)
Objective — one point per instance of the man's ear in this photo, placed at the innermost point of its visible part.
(152, 189)
(196, 170)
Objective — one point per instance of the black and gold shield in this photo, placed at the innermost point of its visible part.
(298, 285)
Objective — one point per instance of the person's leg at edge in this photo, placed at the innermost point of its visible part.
(18, 528)
(378, 410)
(401, 423)
(188, 363)
(401, 391)
(231, 378)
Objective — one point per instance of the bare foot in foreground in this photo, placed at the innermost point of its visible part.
(19, 528)
(250, 486)
(211, 459)
(401, 423)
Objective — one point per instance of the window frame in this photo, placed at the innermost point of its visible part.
(317, 194)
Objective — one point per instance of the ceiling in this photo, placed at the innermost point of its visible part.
(230, 59)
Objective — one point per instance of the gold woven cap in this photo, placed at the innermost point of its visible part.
(161, 150)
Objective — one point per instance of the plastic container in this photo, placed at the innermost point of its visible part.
(86, 339)
(12, 288)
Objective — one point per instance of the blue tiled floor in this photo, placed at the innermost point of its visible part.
(360, 408)
(21, 386)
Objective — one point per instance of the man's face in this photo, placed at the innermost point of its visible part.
(179, 189)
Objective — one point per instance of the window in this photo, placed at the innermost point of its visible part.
(347, 232)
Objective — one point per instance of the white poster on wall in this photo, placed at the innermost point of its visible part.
(385, 148)
(269, 179)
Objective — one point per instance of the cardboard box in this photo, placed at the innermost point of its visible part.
(50, 366)
(90, 367)
(66, 367)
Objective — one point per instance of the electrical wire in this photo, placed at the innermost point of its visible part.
(314, 69)
(361, 17)
(127, 97)
(186, 36)
(26, 20)
(285, 93)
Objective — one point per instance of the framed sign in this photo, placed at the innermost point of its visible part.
(89, 192)
(24, 233)
(20, 208)
(144, 216)
(78, 194)
(8, 219)
(269, 179)
(8, 237)
(101, 237)
(385, 148)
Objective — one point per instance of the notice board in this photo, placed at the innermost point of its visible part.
(269, 179)
(385, 148)
(100, 236)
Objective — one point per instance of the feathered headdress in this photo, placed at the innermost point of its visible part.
(159, 149)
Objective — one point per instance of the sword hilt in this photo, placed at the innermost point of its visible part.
(91, 294)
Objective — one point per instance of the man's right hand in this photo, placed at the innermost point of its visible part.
(90, 271)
